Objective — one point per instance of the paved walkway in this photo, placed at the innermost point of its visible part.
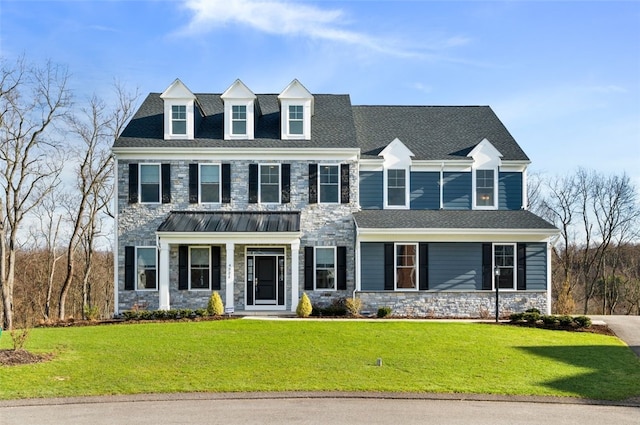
(627, 328)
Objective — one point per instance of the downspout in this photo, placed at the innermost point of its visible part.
(441, 184)
(358, 285)
(116, 227)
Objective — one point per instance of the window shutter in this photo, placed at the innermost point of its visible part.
(342, 267)
(183, 267)
(308, 268)
(133, 183)
(193, 183)
(522, 267)
(424, 266)
(253, 183)
(344, 183)
(226, 183)
(129, 268)
(313, 183)
(285, 183)
(166, 183)
(487, 261)
(215, 268)
(389, 266)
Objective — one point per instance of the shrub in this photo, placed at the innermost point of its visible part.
(550, 320)
(215, 306)
(582, 321)
(532, 310)
(565, 320)
(516, 317)
(531, 317)
(91, 313)
(304, 306)
(384, 311)
(353, 306)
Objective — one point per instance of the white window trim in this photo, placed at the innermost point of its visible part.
(515, 266)
(185, 120)
(395, 266)
(337, 201)
(290, 120)
(208, 248)
(155, 249)
(260, 165)
(474, 193)
(246, 121)
(190, 107)
(140, 165)
(306, 119)
(407, 183)
(228, 119)
(219, 183)
(335, 269)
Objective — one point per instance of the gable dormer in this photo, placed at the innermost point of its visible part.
(485, 169)
(396, 175)
(296, 110)
(180, 112)
(239, 112)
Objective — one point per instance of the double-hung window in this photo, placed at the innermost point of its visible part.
(325, 268)
(270, 183)
(209, 183)
(238, 120)
(296, 119)
(149, 183)
(199, 268)
(504, 261)
(396, 188)
(146, 268)
(178, 119)
(329, 186)
(406, 266)
(485, 185)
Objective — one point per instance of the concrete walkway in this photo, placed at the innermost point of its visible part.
(627, 328)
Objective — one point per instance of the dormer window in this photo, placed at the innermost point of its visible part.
(296, 112)
(240, 109)
(485, 188)
(396, 188)
(179, 119)
(182, 112)
(486, 163)
(239, 120)
(296, 119)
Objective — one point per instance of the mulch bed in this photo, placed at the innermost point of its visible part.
(21, 357)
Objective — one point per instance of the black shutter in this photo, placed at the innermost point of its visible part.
(253, 183)
(129, 268)
(133, 183)
(183, 267)
(166, 183)
(308, 268)
(389, 266)
(313, 183)
(193, 183)
(424, 266)
(226, 183)
(285, 183)
(342, 267)
(522, 267)
(344, 183)
(215, 268)
(487, 272)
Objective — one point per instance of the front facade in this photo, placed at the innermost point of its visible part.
(264, 196)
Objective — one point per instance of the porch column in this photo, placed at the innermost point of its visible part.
(229, 284)
(549, 286)
(295, 274)
(163, 277)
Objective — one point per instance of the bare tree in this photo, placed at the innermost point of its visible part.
(32, 101)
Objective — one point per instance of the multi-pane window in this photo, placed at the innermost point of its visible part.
(396, 188)
(145, 268)
(329, 176)
(199, 268)
(270, 183)
(209, 183)
(149, 183)
(504, 260)
(325, 267)
(239, 119)
(296, 119)
(485, 188)
(178, 119)
(406, 266)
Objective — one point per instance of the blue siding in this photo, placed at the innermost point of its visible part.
(510, 191)
(456, 193)
(536, 266)
(425, 190)
(372, 266)
(455, 266)
(371, 190)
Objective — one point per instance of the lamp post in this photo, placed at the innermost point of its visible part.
(496, 272)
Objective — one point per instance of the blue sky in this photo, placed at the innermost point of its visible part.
(564, 77)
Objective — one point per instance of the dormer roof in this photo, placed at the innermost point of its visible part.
(238, 90)
(296, 91)
(178, 90)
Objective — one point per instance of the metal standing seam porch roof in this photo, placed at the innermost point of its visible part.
(231, 222)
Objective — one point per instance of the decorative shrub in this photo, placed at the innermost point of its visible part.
(215, 306)
(565, 320)
(516, 317)
(304, 308)
(353, 306)
(532, 310)
(582, 321)
(384, 311)
(550, 320)
(531, 317)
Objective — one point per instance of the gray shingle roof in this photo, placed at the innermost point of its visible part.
(447, 219)
(201, 221)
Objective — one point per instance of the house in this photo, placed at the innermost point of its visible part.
(264, 196)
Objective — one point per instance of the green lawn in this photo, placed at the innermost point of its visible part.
(252, 355)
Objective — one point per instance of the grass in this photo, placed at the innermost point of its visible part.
(250, 355)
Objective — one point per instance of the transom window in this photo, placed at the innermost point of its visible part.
(178, 119)
(325, 268)
(296, 119)
(209, 183)
(149, 183)
(146, 268)
(329, 186)
(504, 260)
(396, 188)
(485, 188)
(270, 183)
(406, 266)
(239, 119)
(199, 268)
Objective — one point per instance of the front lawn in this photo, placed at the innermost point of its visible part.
(253, 355)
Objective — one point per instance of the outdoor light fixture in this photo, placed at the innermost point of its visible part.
(496, 272)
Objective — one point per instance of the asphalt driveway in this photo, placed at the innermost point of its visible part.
(627, 328)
